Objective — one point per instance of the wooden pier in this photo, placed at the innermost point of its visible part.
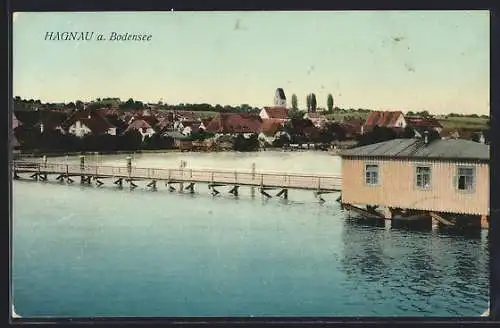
(181, 178)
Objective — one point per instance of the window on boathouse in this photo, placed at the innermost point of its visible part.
(465, 178)
(423, 177)
(371, 174)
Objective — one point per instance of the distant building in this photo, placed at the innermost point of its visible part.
(274, 113)
(388, 119)
(319, 120)
(141, 126)
(234, 123)
(88, 121)
(447, 177)
(280, 98)
(420, 124)
(272, 130)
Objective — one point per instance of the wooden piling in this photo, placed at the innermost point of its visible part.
(284, 193)
(234, 190)
(119, 182)
(263, 192)
(485, 222)
(190, 187)
(252, 189)
(132, 184)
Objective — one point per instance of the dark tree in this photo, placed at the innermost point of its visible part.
(294, 102)
(313, 102)
(295, 114)
(329, 103)
(308, 102)
(243, 144)
(377, 134)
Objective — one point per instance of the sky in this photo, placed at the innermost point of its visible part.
(381, 60)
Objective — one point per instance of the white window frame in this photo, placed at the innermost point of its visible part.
(472, 177)
(429, 183)
(371, 170)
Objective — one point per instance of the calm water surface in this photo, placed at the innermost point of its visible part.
(87, 251)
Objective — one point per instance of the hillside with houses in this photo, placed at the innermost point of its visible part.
(108, 125)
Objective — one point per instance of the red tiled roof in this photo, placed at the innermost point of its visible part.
(423, 122)
(206, 121)
(234, 123)
(277, 112)
(137, 124)
(382, 119)
(270, 127)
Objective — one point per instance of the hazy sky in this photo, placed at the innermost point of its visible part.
(436, 61)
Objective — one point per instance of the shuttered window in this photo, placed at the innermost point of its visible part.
(371, 174)
(423, 177)
(465, 179)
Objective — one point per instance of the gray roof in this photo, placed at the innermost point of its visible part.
(416, 148)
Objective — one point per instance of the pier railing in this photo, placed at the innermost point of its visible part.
(236, 177)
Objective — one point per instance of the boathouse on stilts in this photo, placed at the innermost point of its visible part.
(443, 182)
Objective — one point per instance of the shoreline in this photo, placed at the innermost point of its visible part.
(21, 154)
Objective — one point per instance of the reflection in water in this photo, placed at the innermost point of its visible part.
(424, 272)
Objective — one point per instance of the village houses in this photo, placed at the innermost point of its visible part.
(141, 126)
(274, 113)
(389, 119)
(319, 120)
(88, 121)
(272, 130)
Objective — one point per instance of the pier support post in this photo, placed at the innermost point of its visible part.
(283, 193)
(263, 192)
(82, 163)
(388, 225)
(132, 184)
(434, 223)
(485, 223)
(234, 191)
(388, 213)
(190, 187)
(129, 166)
(119, 182)
(152, 184)
(252, 189)
(82, 170)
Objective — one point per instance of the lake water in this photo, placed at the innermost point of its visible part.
(87, 251)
